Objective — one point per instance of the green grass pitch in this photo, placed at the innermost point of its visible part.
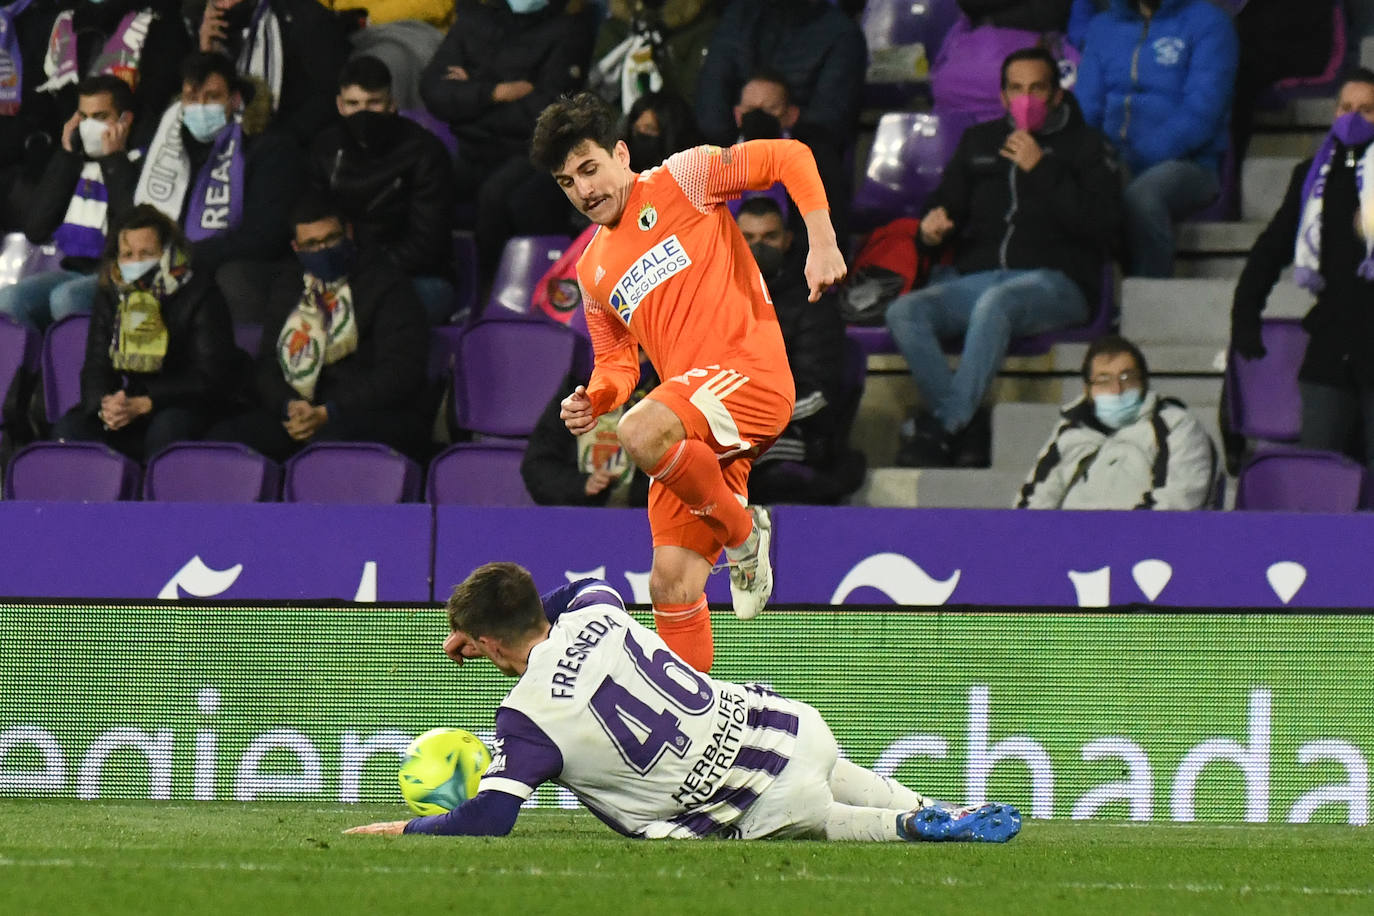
(63, 857)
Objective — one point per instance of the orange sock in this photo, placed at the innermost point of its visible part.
(686, 628)
(691, 472)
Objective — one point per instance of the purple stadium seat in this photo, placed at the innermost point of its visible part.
(479, 474)
(64, 350)
(248, 337)
(1283, 479)
(71, 472)
(18, 349)
(351, 472)
(909, 153)
(507, 372)
(524, 261)
(211, 472)
(432, 124)
(43, 259)
(1262, 394)
(891, 23)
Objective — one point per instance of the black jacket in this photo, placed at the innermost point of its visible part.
(399, 196)
(273, 174)
(550, 48)
(1341, 323)
(197, 370)
(386, 372)
(1061, 215)
(55, 190)
(813, 334)
(819, 50)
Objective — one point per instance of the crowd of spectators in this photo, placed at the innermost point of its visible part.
(208, 165)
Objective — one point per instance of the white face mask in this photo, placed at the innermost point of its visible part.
(92, 136)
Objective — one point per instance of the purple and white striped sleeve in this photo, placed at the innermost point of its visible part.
(523, 757)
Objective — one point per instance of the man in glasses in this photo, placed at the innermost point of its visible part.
(1121, 445)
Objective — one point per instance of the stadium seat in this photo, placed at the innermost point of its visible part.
(909, 153)
(1262, 394)
(507, 372)
(211, 472)
(1284, 479)
(524, 261)
(479, 474)
(71, 472)
(351, 472)
(890, 23)
(18, 345)
(435, 126)
(64, 351)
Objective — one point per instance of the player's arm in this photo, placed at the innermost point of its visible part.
(576, 595)
(615, 352)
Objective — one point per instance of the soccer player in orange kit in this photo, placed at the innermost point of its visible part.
(669, 271)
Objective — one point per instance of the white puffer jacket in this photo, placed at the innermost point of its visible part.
(1164, 460)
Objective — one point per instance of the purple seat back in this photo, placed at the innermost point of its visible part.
(1283, 479)
(351, 472)
(71, 472)
(525, 259)
(432, 124)
(211, 472)
(775, 192)
(891, 23)
(18, 344)
(479, 474)
(507, 372)
(966, 76)
(1262, 394)
(64, 350)
(248, 337)
(909, 153)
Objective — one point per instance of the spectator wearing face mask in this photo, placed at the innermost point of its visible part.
(392, 180)
(159, 350)
(343, 350)
(87, 186)
(1325, 228)
(227, 182)
(1121, 445)
(651, 46)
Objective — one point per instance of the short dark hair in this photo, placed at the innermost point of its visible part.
(199, 66)
(761, 206)
(1359, 75)
(498, 600)
(770, 75)
(567, 124)
(121, 96)
(141, 216)
(367, 73)
(313, 206)
(677, 122)
(1040, 54)
(1111, 345)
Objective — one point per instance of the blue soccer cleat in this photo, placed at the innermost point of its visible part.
(990, 823)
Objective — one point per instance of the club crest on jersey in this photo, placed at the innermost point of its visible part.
(600, 274)
(659, 263)
(648, 218)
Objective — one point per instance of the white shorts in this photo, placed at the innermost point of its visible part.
(797, 803)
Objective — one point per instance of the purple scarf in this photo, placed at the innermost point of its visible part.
(11, 64)
(217, 196)
(122, 53)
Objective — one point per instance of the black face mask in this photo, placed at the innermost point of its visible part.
(646, 151)
(329, 264)
(373, 131)
(769, 258)
(757, 124)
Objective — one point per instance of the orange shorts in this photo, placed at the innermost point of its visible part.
(739, 418)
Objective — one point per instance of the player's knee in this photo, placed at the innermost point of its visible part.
(647, 434)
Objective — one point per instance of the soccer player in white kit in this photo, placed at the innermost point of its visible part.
(653, 747)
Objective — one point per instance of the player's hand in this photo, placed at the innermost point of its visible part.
(116, 136)
(599, 480)
(576, 412)
(1023, 149)
(460, 647)
(935, 225)
(68, 130)
(383, 827)
(824, 269)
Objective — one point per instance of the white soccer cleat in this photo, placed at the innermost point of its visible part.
(751, 570)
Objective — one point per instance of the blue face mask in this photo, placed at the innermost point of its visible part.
(329, 264)
(204, 121)
(1117, 410)
(133, 271)
(527, 6)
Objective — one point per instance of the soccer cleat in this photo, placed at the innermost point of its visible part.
(991, 823)
(751, 571)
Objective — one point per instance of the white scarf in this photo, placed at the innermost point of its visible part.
(1307, 254)
(321, 331)
(262, 50)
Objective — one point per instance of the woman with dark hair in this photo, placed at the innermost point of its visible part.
(657, 125)
(160, 347)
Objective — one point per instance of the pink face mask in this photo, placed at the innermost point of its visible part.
(1028, 112)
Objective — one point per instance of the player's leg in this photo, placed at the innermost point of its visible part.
(851, 784)
(677, 584)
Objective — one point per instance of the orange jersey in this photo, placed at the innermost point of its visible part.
(676, 277)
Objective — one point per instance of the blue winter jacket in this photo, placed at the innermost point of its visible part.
(1160, 89)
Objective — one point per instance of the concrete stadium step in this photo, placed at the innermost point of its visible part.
(1219, 237)
(1210, 267)
(1314, 112)
(1200, 359)
(1264, 179)
(1288, 142)
(1193, 311)
(939, 488)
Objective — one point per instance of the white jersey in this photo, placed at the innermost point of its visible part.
(651, 746)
